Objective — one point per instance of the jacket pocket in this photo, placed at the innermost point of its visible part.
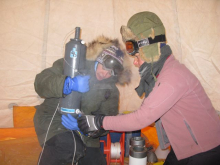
(190, 131)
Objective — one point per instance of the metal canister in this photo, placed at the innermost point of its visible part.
(74, 64)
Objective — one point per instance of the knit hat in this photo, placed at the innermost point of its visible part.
(98, 45)
(112, 59)
(144, 25)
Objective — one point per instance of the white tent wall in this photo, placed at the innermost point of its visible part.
(33, 34)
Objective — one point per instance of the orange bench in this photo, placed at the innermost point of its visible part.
(19, 145)
(23, 124)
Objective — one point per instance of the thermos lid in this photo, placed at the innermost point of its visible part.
(137, 141)
(138, 151)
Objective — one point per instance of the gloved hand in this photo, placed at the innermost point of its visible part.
(69, 122)
(78, 83)
(90, 123)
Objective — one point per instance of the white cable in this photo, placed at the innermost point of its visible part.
(115, 150)
(65, 38)
(74, 147)
(55, 113)
(71, 67)
(47, 134)
(46, 138)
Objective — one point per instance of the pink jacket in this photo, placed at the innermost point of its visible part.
(186, 112)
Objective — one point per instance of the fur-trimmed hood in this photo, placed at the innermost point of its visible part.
(95, 47)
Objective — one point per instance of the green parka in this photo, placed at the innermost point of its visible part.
(102, 98)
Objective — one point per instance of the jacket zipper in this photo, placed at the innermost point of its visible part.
(190, 131)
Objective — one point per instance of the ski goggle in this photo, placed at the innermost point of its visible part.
(132, 46)
(111, 64)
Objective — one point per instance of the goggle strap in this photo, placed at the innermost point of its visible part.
(148, 41)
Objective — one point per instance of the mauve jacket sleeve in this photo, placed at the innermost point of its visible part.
(169, 88)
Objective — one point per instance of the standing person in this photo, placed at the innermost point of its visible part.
(100, 95)
(174, 98)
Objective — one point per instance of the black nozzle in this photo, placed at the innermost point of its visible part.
(77, 32)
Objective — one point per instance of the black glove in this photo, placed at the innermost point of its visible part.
(89, 124)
